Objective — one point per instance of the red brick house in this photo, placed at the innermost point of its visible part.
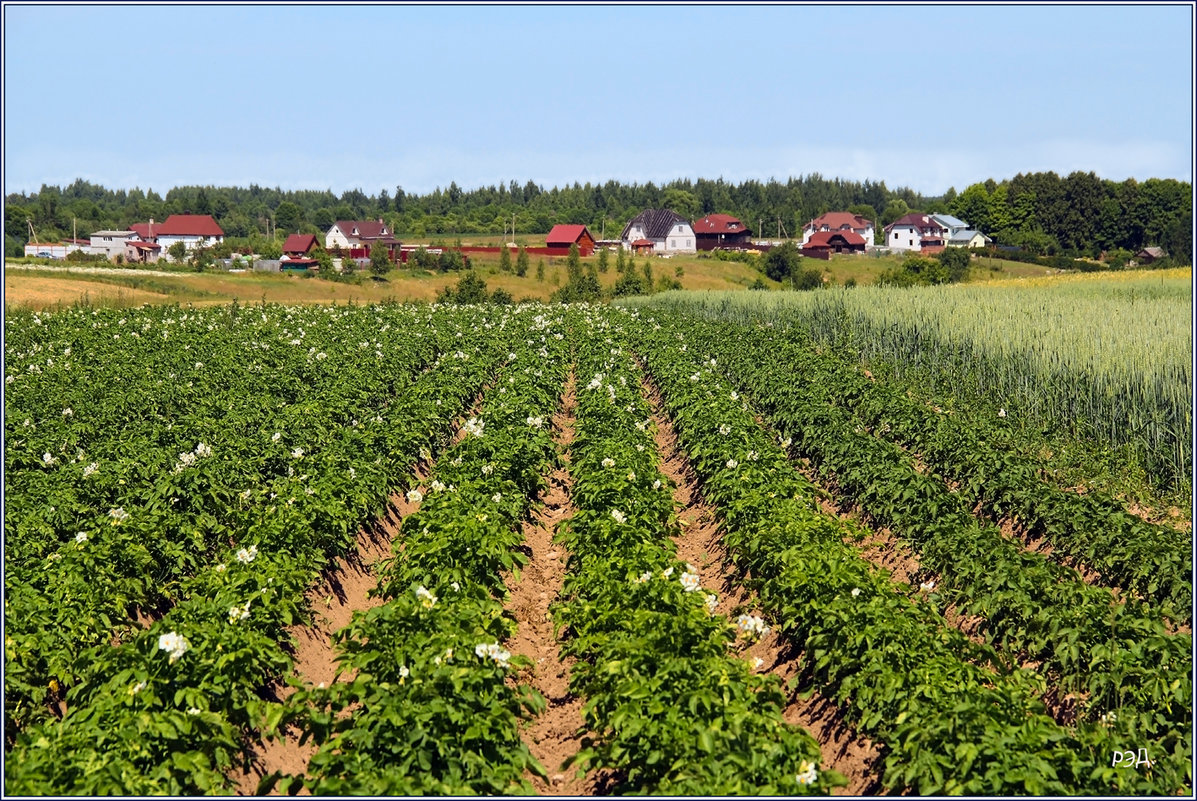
(720, 230)
(562, 236)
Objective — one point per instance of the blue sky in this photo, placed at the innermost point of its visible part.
(374, 96)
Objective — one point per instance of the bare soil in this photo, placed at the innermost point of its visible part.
(556, 734)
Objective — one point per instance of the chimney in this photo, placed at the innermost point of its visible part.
(150, 231)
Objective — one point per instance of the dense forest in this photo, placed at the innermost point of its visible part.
(1079, 215)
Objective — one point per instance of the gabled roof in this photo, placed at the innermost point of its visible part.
(366, 229)
(299, 243)
(1154, 252)
(144, 245)
(642, 243)
(566, 234)
(188, 225)
(143, 230)
(965, 235)
(824, 238)
(915, 219)
(948, 221)
(838, 219)
(657, 223)
(719, 224)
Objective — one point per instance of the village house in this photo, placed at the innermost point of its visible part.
(720, 231)
(360, 235)
(840, 221)
(193, 230)
(298, 246)
(968, 238)
(827, 242)
(951, 225)
(562, 236)
(139, 252)
(668, 231)
(110, 244)
(915, 232)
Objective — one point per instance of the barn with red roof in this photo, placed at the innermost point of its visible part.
(299, 245)
(562, 236)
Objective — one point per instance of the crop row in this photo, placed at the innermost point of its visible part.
(431, 707)
(168, 709)
(956, 718)
(1117, 653)
(165, 493)
(670, 710)
(1150, 560)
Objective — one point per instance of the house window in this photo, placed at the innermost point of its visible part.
(673, 243)
(688, 244)
(911, 243)
(895, 236)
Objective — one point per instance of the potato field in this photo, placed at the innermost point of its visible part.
(614, 551)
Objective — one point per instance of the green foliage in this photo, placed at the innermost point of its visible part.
(521, 264)
(177, 251)
(956, 261)
(380, 263)
(603, 260)
(504, 259)
(450, 260)
(539, 269)
(783, 261)
(471, 288)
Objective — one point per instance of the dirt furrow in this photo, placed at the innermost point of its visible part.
(553, 736)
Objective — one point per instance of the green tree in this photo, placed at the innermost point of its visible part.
(621, 262)
(540, 269)
(603, 261)
(450, 260)
(380, 264)
(288, 216)
(648, 276)
(683, 202)
(783, 261)
(504, 259)
(521, 263)
(470, 289)
(956, 262)
(894, 210)
(573, 264)
(177, 251)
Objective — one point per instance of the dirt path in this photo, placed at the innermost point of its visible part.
(343, 589)
(843, 750)
(553, 736)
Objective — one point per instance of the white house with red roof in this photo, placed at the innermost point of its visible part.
(916, 232)
(348, 234)
(840, 221)
(193, 230)
(720, 231)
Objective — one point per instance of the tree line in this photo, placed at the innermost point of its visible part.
(1080, 214)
